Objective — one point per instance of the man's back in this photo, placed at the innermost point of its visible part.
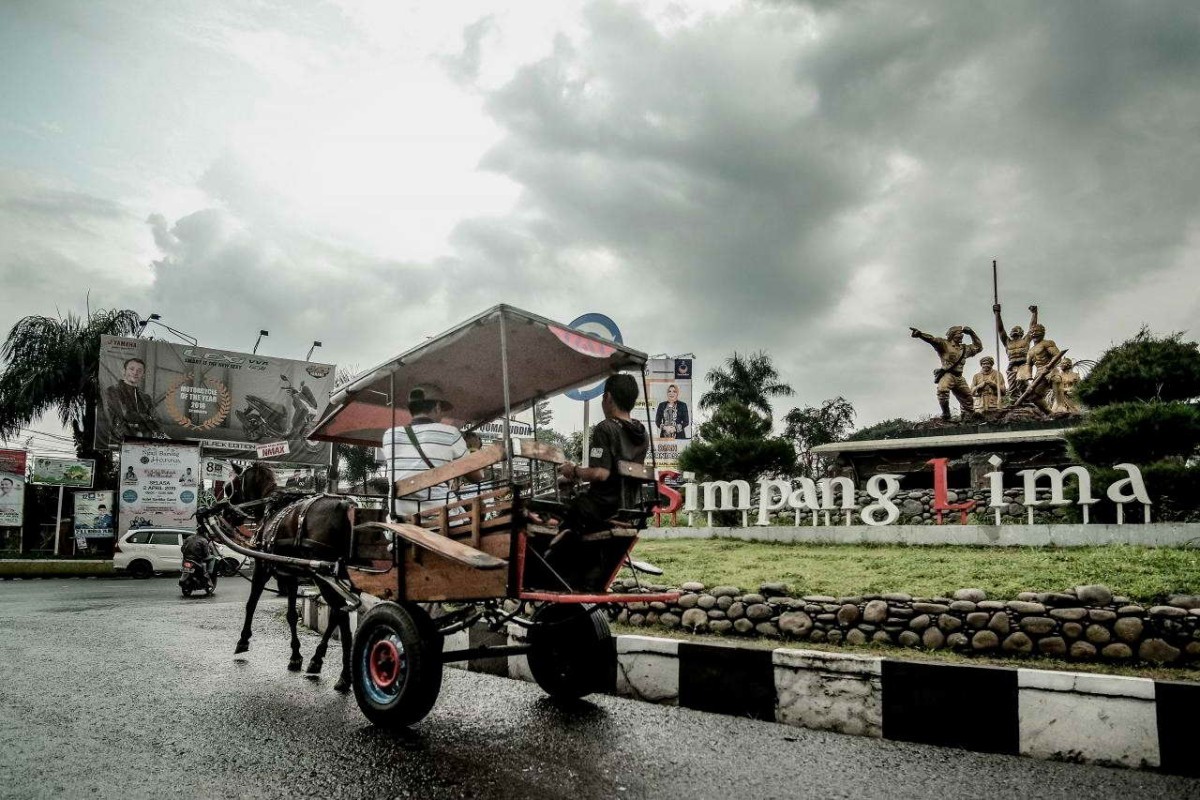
(439, 443)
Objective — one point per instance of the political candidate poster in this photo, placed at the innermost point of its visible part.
(94, 515)
(159, 485)
(669, 386)
(223, 400)
(12, 488)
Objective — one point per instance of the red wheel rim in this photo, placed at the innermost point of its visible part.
(384, 664)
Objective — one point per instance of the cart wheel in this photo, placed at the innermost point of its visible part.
(397, 665)
(572, 653)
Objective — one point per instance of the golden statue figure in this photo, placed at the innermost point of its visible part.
(949, 378)
(987, 385)
(1064, 380)
(1016, 344)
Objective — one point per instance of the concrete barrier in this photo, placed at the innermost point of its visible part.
(55, 568)
(1070, 716)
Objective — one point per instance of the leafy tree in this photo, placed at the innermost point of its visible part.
(737, 444)
(751, 380)
(54, 364)
(356, 463)
(1144, 368)
(1139, 391)
(814, 426)
(542, 415)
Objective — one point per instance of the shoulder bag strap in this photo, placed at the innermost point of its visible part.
(412, 437)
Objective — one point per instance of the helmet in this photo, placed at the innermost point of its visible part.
(987, 360)
(953, 331)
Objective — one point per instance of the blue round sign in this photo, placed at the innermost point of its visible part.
(601, 327)
(129, 496)
(187, 496)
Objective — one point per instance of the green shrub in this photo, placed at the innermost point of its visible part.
(1139, 433)
(888, 429)
(1144, 368)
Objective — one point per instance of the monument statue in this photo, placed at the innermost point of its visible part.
(1064, 381)
(949, 377)
(987, 385)
(1016, 344)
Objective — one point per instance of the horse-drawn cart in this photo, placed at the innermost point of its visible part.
(487, 556)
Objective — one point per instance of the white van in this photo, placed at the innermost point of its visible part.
(144, 551)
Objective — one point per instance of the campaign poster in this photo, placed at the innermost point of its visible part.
(223, 400)
(12, 488)
(670, 409)
(160, 485)
(94, 515)
(77, 472)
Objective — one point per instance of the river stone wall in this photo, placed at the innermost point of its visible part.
(1087, 623)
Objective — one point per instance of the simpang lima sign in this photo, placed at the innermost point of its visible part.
(221, 399)
(12, 488)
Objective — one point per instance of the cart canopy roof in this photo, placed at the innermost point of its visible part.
(545, 358)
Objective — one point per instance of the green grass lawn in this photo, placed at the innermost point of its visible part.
(1142, 574)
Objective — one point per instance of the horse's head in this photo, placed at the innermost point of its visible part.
(252, 483)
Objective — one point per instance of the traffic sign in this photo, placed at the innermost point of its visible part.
(604, 328)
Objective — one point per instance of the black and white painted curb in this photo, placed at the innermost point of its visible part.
(1081, 717)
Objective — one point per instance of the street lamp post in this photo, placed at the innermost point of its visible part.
(261, 334)
(310, 351)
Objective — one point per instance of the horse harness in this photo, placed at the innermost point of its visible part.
(268, 532)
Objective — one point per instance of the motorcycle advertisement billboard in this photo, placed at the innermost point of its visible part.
(669, 385)
(160, 485)
(223, 400)
(94, 515)
(12, 488)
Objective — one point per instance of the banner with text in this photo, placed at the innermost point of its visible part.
(669, 384)
(224, 400)
(94, 515)
(160, 484)
(12, 488)
(77, 472)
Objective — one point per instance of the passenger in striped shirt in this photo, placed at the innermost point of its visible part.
(424, 444)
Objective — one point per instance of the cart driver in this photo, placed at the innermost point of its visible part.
(618, 437)
(423, 444)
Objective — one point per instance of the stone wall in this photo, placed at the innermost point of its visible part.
(1086, 623)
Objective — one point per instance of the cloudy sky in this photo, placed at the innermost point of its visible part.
(805, 178)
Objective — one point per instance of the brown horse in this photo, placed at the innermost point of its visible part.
(297, 526)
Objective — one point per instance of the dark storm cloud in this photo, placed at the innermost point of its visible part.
(222, 280)
(814, 179)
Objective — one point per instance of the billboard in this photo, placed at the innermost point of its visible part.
(94, 515)
(12, 488)
(218, 398)
(77, 472)
(669, 384)
(160, 485)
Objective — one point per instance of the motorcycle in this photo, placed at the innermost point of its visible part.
(193, 578)
(263, 418)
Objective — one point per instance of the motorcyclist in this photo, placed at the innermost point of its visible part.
(201, 552)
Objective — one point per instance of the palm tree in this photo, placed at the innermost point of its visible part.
(751, 380)
(54, 364)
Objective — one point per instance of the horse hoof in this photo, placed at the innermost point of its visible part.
(295, 664)
(241, 647)
(314, 667)
(343, 685)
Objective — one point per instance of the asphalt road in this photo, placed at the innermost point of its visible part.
(120, 688)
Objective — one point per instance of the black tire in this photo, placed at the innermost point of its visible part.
(396, 663)
(572, 652)
(228, 567)
(140, 569)
(187, 591)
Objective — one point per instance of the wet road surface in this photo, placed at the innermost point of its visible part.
(122, 689)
